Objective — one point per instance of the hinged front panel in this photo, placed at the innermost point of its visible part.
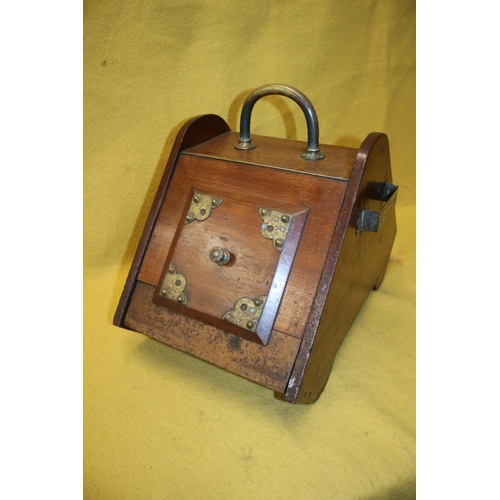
(229, 262)
(241, 247)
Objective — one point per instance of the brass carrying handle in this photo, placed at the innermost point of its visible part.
(313, 151)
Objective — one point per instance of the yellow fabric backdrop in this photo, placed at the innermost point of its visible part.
(159, 423)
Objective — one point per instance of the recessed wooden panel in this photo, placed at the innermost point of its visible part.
(249, 186)
(256, 268)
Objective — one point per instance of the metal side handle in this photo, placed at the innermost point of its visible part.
(371, 220)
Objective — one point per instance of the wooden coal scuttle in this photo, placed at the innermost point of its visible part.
(259, 252)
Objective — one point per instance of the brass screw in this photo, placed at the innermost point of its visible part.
(215, 202)
(264, 211)
(228, 318)
(189, 218)
(258, 302)
(197, 198)
(164, 292)
(279, 242)
(171, 269)
(285, 219)
(181, 299)
(250, 324)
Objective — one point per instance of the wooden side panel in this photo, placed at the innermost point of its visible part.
(269, 365)
(357, 263)
(197, 130)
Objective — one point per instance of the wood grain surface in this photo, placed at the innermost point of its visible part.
(246, 188)
(355, 265)
(277, 153)
(197, 130)
(269, 365)
(332, 272)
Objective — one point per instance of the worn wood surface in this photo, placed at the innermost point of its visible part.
(195, 131)
(269, 365)
(355, 265)
(252, 186)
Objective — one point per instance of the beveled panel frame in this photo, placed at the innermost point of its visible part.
(211, 289)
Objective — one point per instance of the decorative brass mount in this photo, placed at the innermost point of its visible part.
(246, 312)
(173, 286)
(275, 226)
(201, 207)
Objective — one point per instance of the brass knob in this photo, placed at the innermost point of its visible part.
(220, 256)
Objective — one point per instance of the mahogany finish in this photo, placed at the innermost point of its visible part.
(195, 131)
(326, 268)
(356, 264)
(268, 365)
(273, 152)
(256, 268)
(259, 187)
